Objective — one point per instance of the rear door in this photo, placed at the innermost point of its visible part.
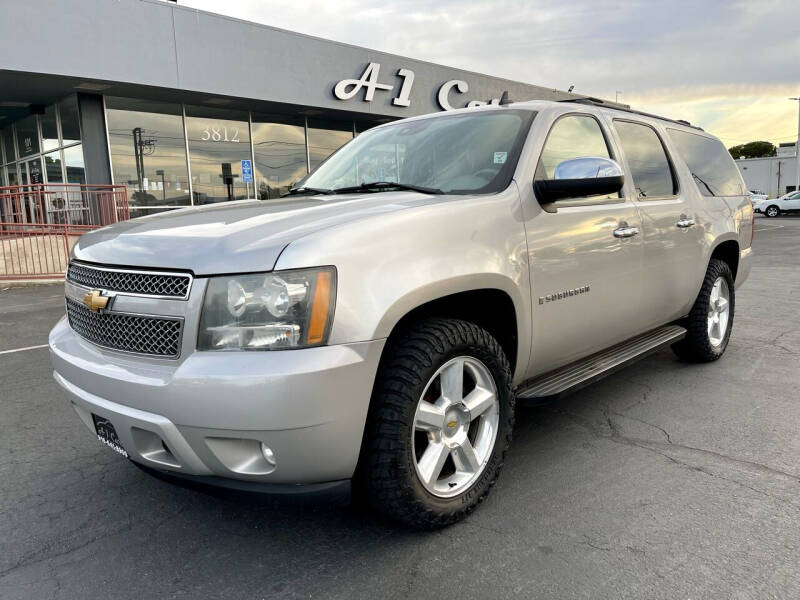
(586, 278)
(671, 236)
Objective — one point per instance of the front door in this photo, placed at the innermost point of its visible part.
(671, 232)
(32, 177)
(792, 202)
(585, 258)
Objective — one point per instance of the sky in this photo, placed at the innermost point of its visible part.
(727, 66)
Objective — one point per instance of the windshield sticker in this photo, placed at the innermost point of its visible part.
(500, 158)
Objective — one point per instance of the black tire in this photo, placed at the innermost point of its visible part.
(389, 480)
(772, 211)
(696, 346)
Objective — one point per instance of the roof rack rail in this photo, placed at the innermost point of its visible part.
(605, 104)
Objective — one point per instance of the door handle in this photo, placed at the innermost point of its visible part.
(684, 222)
(625, 231)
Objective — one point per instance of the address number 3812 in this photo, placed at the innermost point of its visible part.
(220, 134)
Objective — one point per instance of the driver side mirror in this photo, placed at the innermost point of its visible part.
(580, 178)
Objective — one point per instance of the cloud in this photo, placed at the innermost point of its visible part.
(715, 62)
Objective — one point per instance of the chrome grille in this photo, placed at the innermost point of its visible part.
(144, 283)
(141, 334)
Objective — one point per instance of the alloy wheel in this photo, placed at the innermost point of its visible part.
(718, 311)
(455, 427)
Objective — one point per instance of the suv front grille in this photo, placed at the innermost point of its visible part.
(145, 283)
(141, 334)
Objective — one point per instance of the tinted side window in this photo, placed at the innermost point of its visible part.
(647, 160)
(573, 136)
(711, 165)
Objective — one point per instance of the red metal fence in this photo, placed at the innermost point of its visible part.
(40, 222)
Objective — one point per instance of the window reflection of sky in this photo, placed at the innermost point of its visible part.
(218, 140)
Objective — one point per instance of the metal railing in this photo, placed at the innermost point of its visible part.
(39, 223)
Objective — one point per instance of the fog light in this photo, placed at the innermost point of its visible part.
(269, 455)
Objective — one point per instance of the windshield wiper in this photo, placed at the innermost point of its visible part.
(379, 185)
(708, 187)
(306, 190)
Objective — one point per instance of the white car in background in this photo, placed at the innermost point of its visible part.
(773, 207)
(756, 196)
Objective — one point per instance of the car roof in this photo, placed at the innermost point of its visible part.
(538, 105)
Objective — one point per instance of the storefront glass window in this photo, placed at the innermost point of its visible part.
(148, 152)
(325, 137)
(27, 136)
(280, 152)
(13, 178)
(8, 144)
(218, 141)
(73, 160)
(70, 124)
(49, 129)
(52, 165)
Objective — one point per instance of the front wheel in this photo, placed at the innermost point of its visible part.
(772, 211)
(440, 423)
(709, 324)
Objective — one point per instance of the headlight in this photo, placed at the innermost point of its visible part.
(268, 311)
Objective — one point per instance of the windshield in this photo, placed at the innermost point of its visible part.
(455, 154)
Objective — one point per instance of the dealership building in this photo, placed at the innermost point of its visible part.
(186, 107)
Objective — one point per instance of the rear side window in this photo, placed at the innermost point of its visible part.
(711, 165)
(647, 160)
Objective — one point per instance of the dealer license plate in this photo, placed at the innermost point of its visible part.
(108, 435)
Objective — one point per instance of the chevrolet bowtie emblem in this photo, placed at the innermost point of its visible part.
(95, 301)
(451, 424)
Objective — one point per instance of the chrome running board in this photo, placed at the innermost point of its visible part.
(583, 372)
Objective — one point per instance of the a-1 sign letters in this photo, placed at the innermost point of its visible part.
(347, 89)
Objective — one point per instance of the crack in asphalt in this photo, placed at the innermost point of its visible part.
(774, 342)
(662, 449)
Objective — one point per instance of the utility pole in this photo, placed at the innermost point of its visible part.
(616, 96)
(137, 153)
(797, 147)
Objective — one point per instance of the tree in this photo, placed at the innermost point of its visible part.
(753, 150)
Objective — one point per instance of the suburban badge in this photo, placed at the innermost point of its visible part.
(564, 294)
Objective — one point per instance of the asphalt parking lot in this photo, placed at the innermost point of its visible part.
(666, 480)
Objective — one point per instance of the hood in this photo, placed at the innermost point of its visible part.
(232, 237)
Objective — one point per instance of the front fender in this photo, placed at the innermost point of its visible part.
(387, 265)
(434, 290)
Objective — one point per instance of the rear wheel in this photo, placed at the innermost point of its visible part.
(440, 423)
(710, 322)
(772, 211)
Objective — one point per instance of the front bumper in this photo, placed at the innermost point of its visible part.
(209, 414)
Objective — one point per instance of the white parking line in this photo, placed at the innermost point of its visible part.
(766, 227)
(23, 349)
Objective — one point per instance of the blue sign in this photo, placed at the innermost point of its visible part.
(247, 171)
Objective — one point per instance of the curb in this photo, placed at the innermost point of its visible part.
(20, 283)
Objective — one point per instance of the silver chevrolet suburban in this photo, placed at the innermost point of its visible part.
(374, 328)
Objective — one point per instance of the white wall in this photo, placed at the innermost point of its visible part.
(762, 174)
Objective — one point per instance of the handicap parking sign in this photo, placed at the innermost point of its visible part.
(247, 171)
